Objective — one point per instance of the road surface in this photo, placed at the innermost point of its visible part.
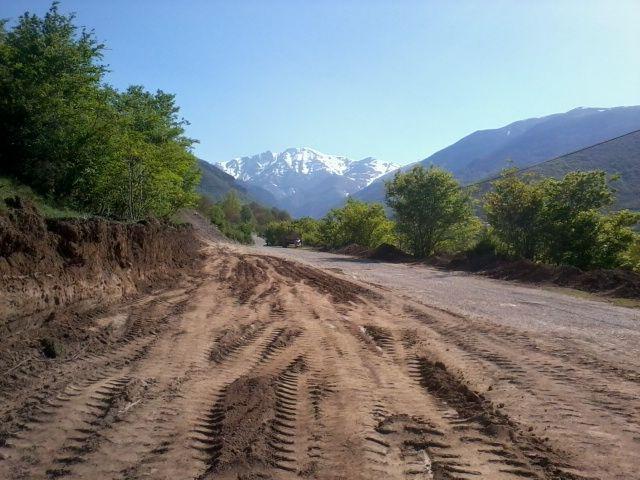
(263, 368)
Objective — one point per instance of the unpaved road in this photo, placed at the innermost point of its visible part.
(261, 368)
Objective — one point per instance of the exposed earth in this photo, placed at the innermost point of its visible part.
(260, 366)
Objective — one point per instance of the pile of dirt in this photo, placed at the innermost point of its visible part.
(613, 283)
(390, 253)
(48, 263)
(203, 227)
(354, 250)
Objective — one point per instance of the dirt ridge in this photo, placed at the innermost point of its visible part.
(46, 264)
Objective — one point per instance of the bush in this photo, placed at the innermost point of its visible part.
(277, 231)
(560, 221)
(360, 223)
(432, 212)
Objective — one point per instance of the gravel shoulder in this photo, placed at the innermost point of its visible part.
(607, 328)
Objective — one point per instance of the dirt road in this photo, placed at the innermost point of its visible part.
(261, 368)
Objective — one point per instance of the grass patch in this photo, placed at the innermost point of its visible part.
(10, 188)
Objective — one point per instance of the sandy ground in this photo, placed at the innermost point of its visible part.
(263, 368)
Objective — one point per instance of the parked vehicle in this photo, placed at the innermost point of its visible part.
(291, 240)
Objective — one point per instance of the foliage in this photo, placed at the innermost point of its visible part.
(238, 221)
(77, 141)
(560, 221)
(432, 212)
(358, 223)
(307, 228)
(231, 207)
(631, 258)
(9, 188)
(275, 232)
(513, 209)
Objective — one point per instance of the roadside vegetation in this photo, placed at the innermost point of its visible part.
(238, 221)
(563, 221)
(79, 143)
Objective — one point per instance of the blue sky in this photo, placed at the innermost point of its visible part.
(396, 80)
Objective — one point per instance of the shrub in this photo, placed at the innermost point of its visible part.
(432, 212)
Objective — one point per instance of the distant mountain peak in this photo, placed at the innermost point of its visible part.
(297, 175)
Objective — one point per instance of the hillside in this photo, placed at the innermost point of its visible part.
(303, 181)
(215, 184)
(620, 156)
(486, 152)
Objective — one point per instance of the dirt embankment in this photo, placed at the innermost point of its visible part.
(609, 282)
(46, 264)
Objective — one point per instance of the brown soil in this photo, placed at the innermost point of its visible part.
(262, 368)
(390, 253)
(612, 283)
(47, 264)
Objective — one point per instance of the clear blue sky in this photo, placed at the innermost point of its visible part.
(393, 79)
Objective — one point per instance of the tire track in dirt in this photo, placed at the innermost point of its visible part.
(273, 370)
(558, 396)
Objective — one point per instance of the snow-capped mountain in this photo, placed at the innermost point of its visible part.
(305, 181)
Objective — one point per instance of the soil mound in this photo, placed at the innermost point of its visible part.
(354, 250)
(390, 253)
(614, 283)
(45, 264)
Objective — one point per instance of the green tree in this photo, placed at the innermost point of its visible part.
(358, 223)
(217, 216)
(431, 209)
(631, 258)
(276, 231)
(53, 113)
(231, 207)
(246, 215)
(309, 230)
(561, 221)
(73, 139)
(513, 209)
(571, 218)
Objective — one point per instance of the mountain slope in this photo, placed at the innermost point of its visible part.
(524, 143)
(620, 156)
(305, 181)
(215, 184)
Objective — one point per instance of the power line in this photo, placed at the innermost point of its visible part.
(530, 167)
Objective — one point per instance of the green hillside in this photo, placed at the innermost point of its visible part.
(620, 156)
(215, 184)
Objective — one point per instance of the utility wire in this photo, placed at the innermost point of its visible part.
(530, 167)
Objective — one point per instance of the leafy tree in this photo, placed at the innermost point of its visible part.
(53, 113)
(513, 209)
(631, 258)
(277, 230)
(356, 222)
(246, 215)
(151, 169)
(431, 210)
(309, 230)
(570, 218)
(560, 221)
(231, 207)
(217, 216)
(69, 137)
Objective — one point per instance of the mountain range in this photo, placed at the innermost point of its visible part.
(306, 182)
(527, 142)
